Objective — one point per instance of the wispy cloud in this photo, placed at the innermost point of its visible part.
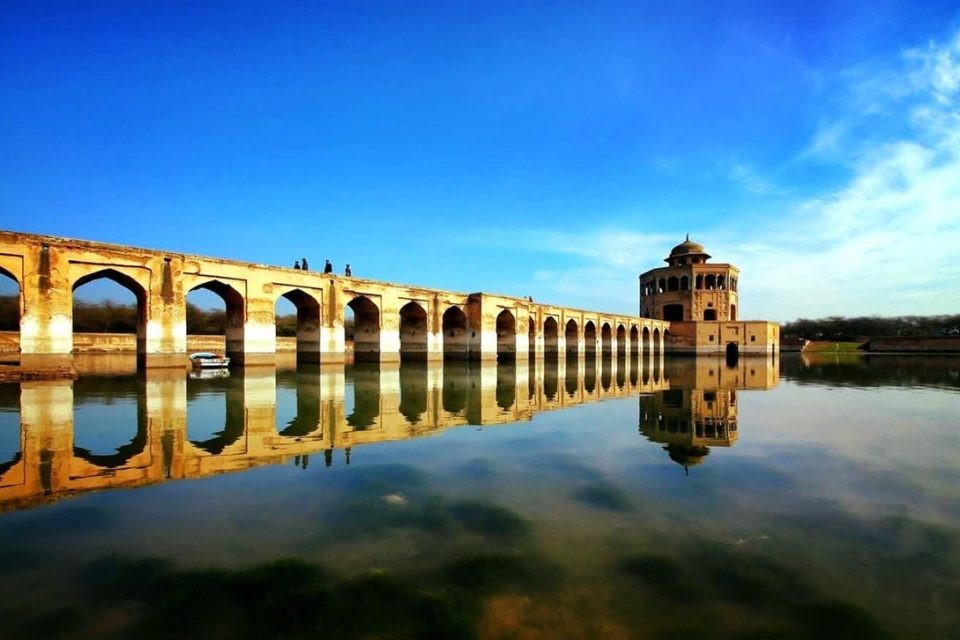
(886, 241)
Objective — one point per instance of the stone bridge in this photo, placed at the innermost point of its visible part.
(392, 321)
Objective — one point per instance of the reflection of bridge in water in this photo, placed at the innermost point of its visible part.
(332, 407)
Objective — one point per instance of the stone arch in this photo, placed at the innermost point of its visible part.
(234, 319)
(684, 283)
(413, 332)
(634, 342)
(531, 336)
(590, 339)
(721, 282)
(661, 285)
(506, 335)
(572, 337)
(733, 312)
(366, 329)
(128, 282)
(606, 340)
(699, 281)
(710, 282)
(673, 283)
(309, 322)
(710, 314)
(647, 341)
(11, 301)
(657, 347)
(621, 342)
(551, 336)
(456, 334)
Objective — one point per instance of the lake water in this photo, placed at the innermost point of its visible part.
(689, 498)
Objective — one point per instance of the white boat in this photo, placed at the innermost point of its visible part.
(207, 360)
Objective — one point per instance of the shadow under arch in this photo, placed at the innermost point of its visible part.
(456, 334)
(506, 336)
(10, 303)
(413, 332)
(366, 329)
(606, 340)
(308, 324)
(590, 339)
(551, 336)
(572, 338)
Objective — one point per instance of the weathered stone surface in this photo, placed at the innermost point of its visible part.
(392, 321)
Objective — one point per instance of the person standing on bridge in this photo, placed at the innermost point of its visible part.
(296, 264)
(304, 263)
(328, 267)
(347, 272)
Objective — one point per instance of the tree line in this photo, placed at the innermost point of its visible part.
(841, 329)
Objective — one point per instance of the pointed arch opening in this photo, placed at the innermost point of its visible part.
(365, 323)
(531, 337)
(216, 309)
(551, 336)
(413, 332)
(298, 316)
(657, 347)
(456, 334)
(634, 343)
(572, 338)
(113, 303)
(606, 340)
(621, 342)
(506, 336)
(647, 342)
(11, 303)
(590, 339)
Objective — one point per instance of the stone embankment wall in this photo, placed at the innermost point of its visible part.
(913, 345)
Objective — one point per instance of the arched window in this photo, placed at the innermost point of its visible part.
(699, 281)
(684, 283)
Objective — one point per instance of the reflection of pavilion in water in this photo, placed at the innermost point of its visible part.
(699, 410)
(189, 428)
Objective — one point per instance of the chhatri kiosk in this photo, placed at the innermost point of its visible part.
(701, 299)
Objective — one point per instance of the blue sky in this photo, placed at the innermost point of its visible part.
(547, 149)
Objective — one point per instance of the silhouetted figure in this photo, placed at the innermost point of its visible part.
(296, 265)
(327, 457)
(347, 272)
(347, 450)
(328, 267)
(305, 461)
(304, 267)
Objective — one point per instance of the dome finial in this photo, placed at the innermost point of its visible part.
(688, 237)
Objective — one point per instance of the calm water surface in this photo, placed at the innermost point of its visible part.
(682, 499)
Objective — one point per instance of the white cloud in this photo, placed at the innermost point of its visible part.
(887, 241)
